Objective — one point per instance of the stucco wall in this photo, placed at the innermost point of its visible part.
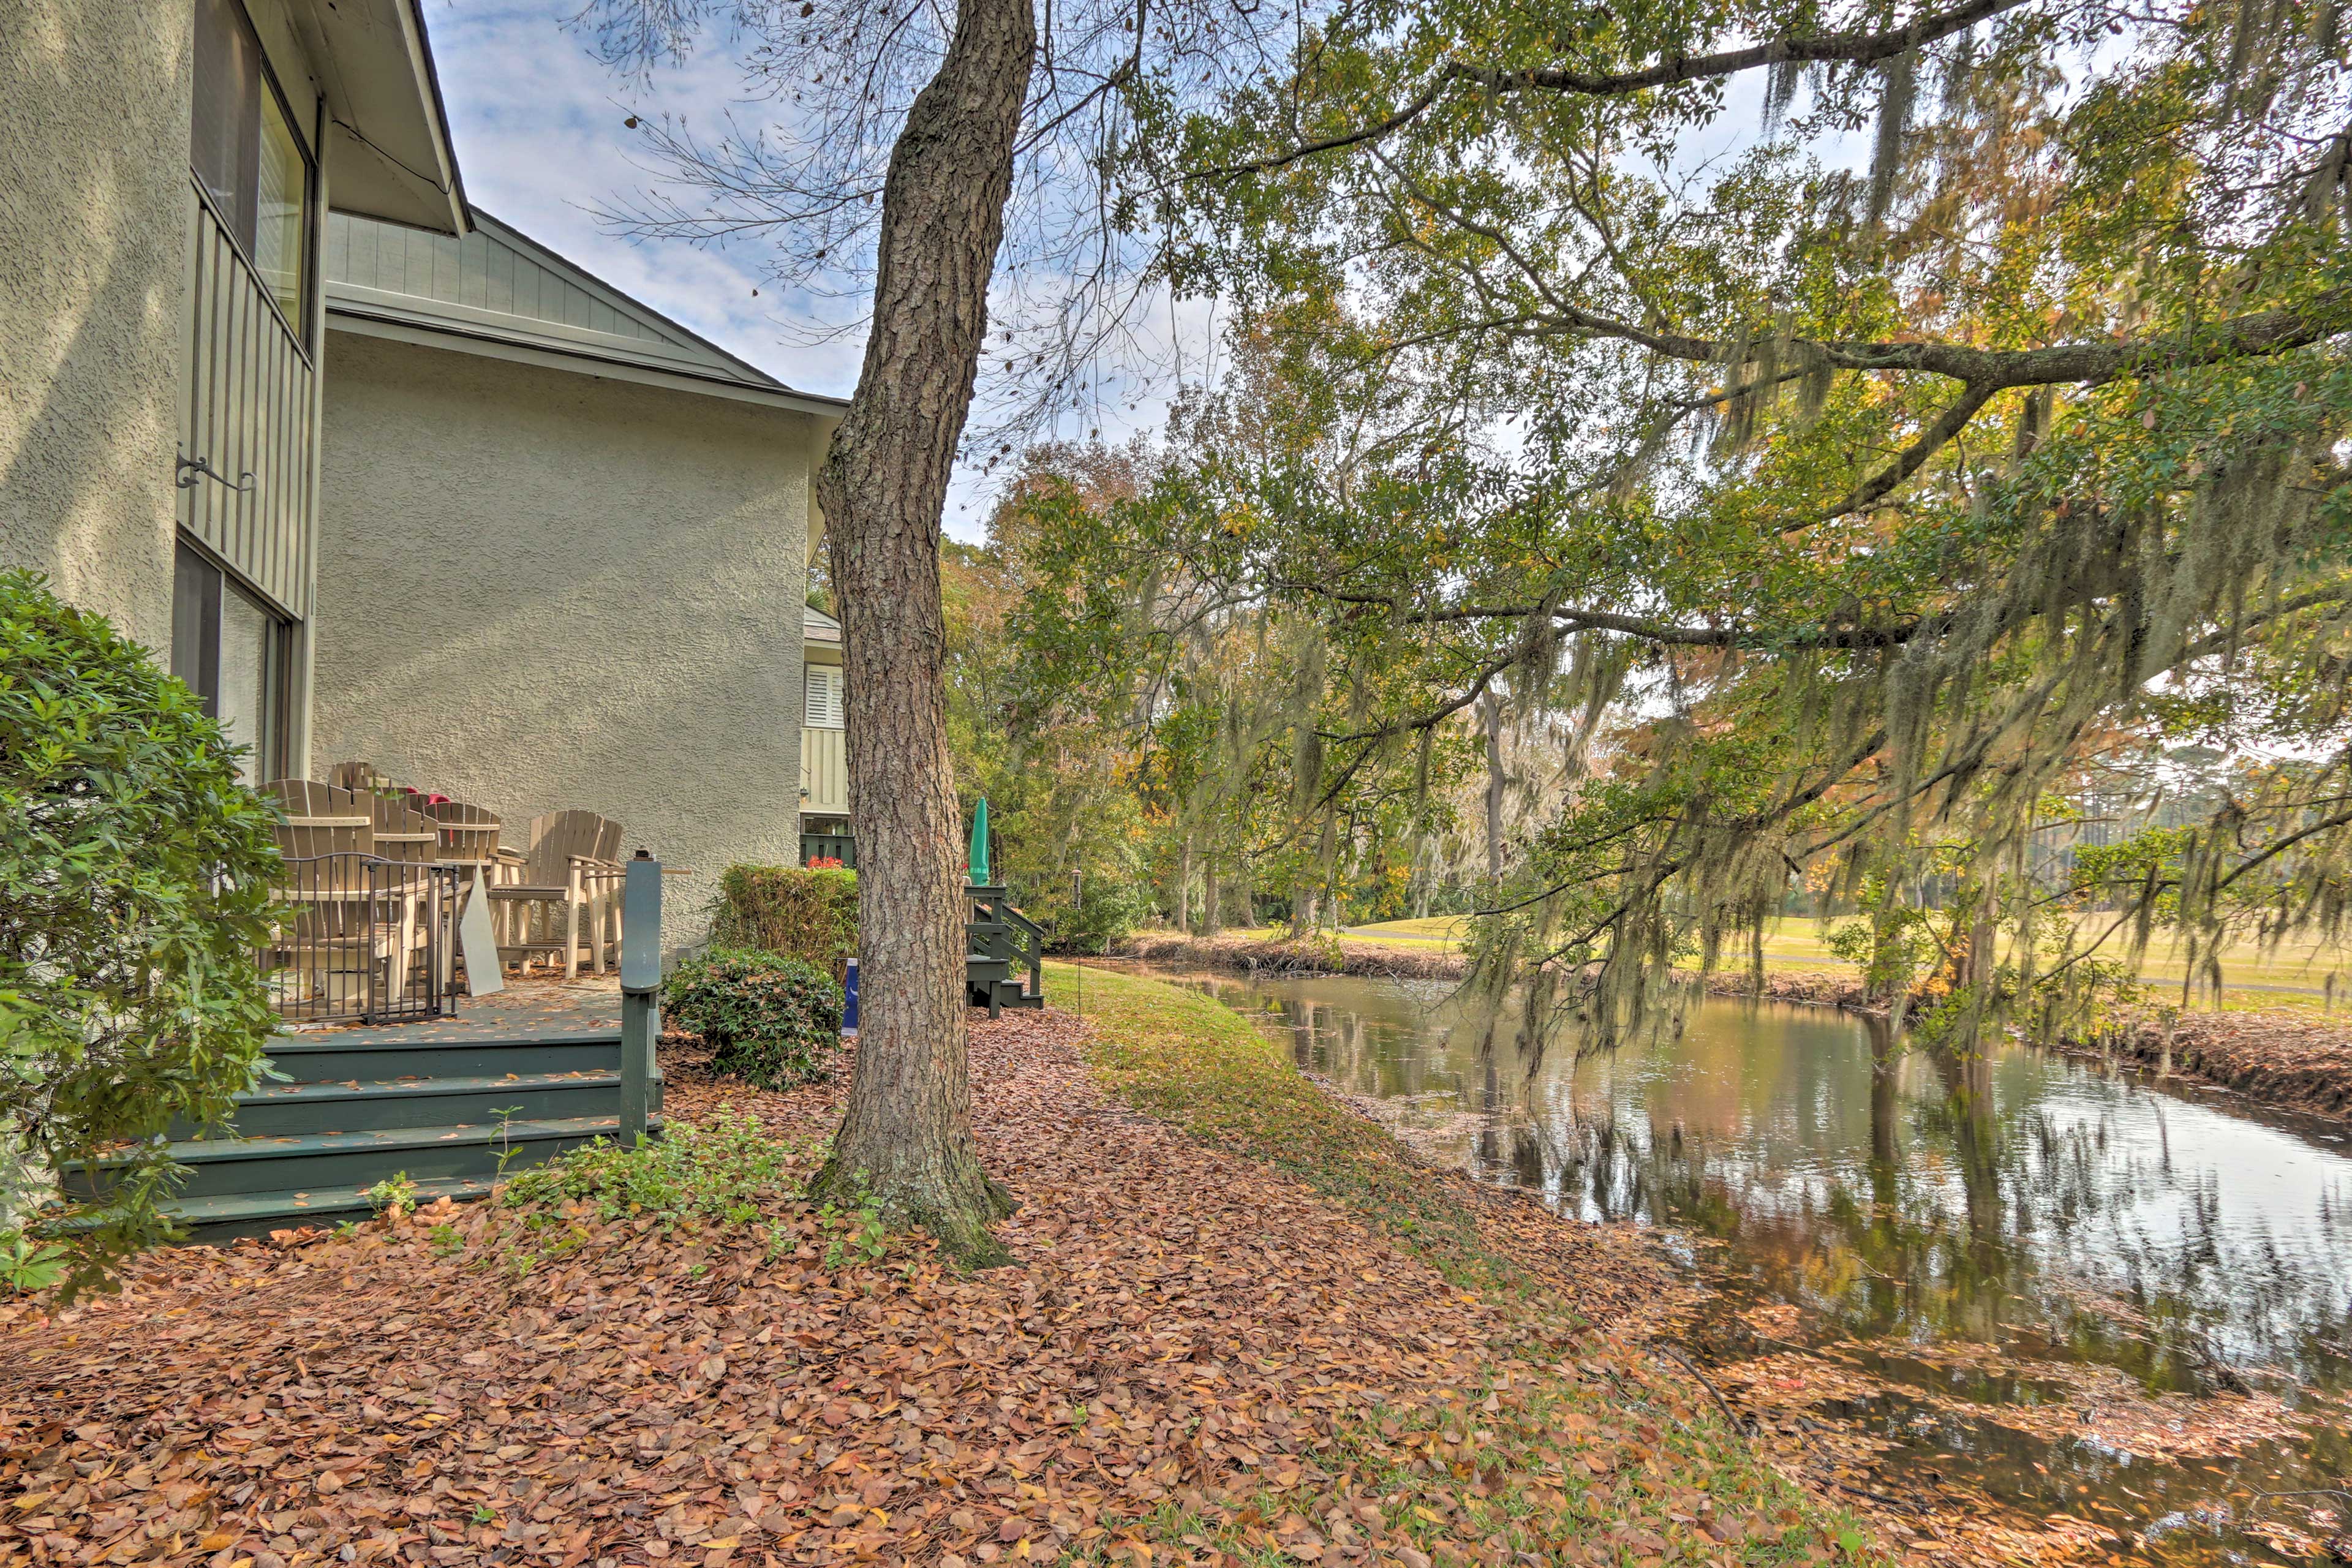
(539, 590)
(94, 107)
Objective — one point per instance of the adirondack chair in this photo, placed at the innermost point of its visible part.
(327, 945)
(469, 834)
(363, 926)
(405, 835)
(400, 831)
(321, 820)
(572, 865)
(360, 776)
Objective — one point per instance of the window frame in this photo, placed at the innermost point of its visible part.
(215, 580)
(836, 697)
(305, 147)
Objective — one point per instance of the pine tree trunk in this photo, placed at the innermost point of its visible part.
(906, 1135)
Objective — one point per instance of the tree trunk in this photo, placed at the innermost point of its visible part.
(906, 1135)
(1184, 890)
(1491, 707)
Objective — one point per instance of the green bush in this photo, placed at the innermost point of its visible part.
(803, 914)
(134, 876)
(1112, 909)
(768, 1019)
(720, 1172)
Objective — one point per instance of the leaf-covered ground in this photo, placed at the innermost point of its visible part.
(1241, 1330)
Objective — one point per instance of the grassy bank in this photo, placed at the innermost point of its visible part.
(1573, 1445)
(2255, 978)
(2287, 1049)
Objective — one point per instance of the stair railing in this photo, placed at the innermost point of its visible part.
(641, 977)
(1005, 932)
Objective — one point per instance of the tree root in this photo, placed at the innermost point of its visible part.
(954, 1210)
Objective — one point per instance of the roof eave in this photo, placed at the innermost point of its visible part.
(391, 154)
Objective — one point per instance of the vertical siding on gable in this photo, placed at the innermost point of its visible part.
(484, 272)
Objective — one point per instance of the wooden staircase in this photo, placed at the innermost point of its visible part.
(451, 1103)
(1005, 966)
(363, 1105)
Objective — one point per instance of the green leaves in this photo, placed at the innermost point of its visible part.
(717, 1172)
(133, 896)
(772, 1020)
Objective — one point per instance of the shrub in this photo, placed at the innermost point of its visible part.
(720, 1172)
(768, 1019)
(811, 914)
(1112, 909)
(134, 877)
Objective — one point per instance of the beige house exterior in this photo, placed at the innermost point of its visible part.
(381, 480)
(166, 167)
(562, 548)
(824, 749)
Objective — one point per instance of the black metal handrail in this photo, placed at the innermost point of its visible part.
(362, 939)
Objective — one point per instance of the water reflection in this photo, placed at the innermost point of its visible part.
(2015, 1199)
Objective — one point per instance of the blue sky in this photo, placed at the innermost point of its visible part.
(538, 123)
(541, 144)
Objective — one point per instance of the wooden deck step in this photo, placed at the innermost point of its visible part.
(227, 1216)
(367, 1055)
(350, 1161)
(361, 1105)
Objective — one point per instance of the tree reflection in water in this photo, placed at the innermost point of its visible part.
(2014, 1199)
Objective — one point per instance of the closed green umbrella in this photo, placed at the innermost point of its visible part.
(980, 845)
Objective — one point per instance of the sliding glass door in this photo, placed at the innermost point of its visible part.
(231, 650)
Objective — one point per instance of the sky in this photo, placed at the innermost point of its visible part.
(541, 144)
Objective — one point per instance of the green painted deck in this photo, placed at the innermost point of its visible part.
(504, 1081)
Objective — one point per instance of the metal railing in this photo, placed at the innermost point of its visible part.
(838, 846)
(362, 939)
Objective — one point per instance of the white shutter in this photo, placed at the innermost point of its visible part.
(822, 685)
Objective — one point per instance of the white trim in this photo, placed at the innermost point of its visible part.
(416, 310)
(341, 318)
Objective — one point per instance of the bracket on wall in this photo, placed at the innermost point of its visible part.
(186, 471)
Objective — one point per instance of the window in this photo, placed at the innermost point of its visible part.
(821, 685)
(230, 649)
(248, 155)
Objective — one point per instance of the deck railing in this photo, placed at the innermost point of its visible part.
(997, 929)
(363, 940)
(838, 846)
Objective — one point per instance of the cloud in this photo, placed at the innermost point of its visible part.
(538, 126)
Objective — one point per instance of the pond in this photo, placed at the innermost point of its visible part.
(2025, 1276)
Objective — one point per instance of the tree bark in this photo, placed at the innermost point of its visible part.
(1184, 889)
(906, 1137)
(1492, 708)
